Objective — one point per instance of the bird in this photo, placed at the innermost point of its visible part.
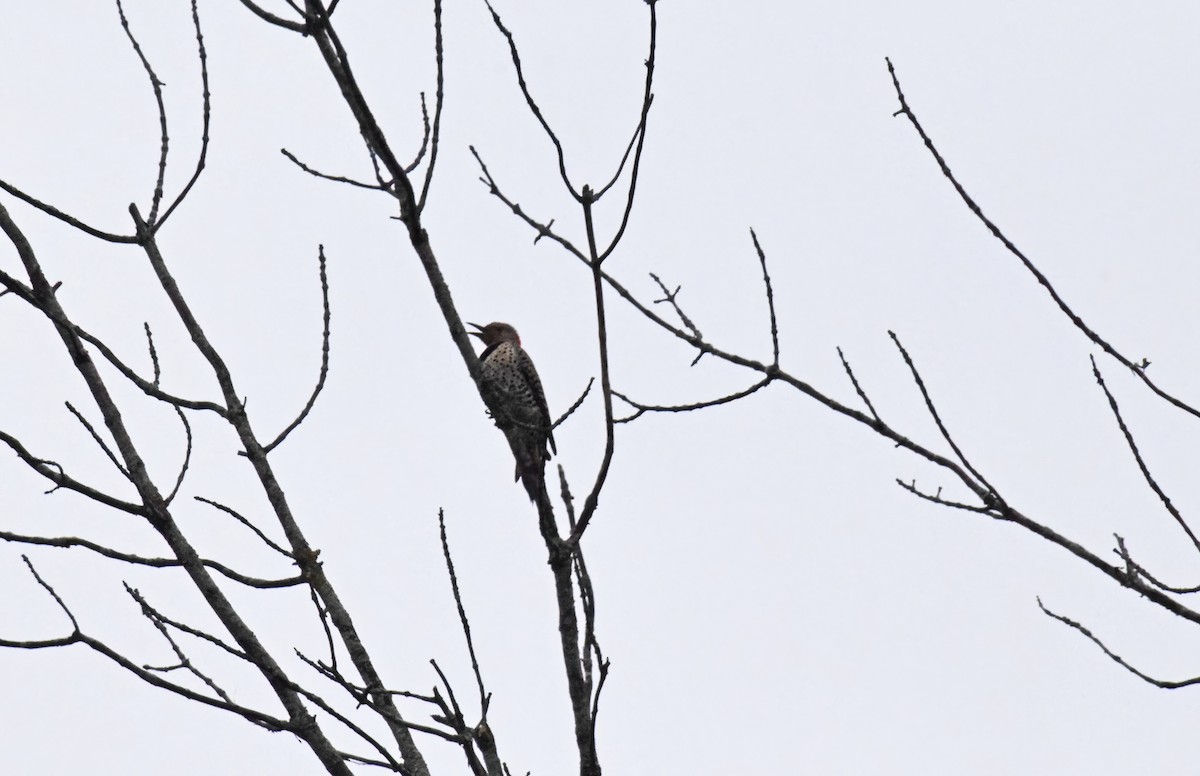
(510, 372)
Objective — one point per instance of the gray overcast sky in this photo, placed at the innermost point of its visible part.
(771, 601)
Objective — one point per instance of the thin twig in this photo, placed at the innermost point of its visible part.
(140, 560)
(762, 260)
(1137, 456)
(55, 474)
(438, 101)
(933, 413)
(335, 178)
(1166, 685)
(277, 21)
(574, 406)
(206, 109)
(150, 677)
(370, 740)
(360, 694)
(637, 132)
(543, 229)
(57, 598)
(244, 521)
(644, 408)
(427, 131)
(647, 100)
(324, 356)
(567, 499)
(671, 298)
(1135, 568)
(146, 386)
(462, 615)
(96, 437)
(604, 666)
(50, 210)
(184, 661)
(936, 498)
(153, 353)
(858, 388)
(189, 630)
(156, 84)
(187, 456)
(323, 618)
(533, 106)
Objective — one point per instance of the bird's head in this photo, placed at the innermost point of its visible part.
(495, 333)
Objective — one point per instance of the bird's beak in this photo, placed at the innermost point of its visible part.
(475, 333)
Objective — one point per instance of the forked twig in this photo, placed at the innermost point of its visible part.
(937, 419)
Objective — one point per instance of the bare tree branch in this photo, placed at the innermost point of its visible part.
(358, 730)
(185, 663)
(1043, 281)
(150, 677)
(50, 210)
(152, 613)
(150, 388)
(593, 498)
(335, 178)
(305, 556)
(140, 560)
(53, 472)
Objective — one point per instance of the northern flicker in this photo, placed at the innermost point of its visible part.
(509, 370)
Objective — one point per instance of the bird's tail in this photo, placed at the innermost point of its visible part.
(532, 474)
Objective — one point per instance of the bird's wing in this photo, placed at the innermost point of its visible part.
(529, 372)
